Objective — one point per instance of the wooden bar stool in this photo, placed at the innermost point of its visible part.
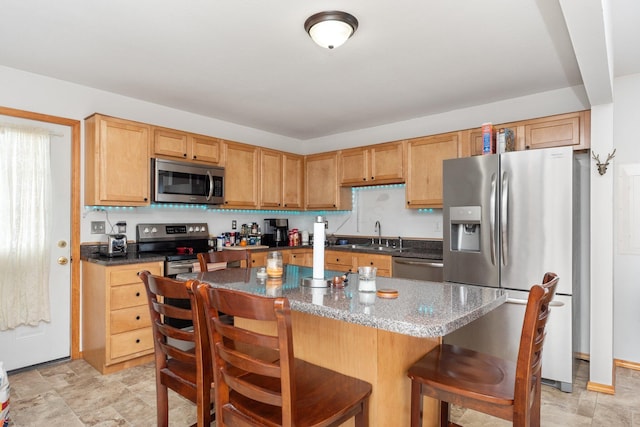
(220, 259)
(484, 383)
(254, 390)
(182, 357)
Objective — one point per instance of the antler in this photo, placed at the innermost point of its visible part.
(611, 156)
(596, 157)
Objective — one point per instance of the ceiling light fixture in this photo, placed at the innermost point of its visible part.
(331, 29)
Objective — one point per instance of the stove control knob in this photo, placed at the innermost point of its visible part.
(190, 229)
(154, 230)
(197, 228)
(203, 229)
(146, 230)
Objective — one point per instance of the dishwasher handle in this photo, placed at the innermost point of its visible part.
(426, 264)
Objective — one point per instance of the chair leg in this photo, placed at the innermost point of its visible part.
(362, 418)
(535, 407)
(416, 404)
(444, 414)
(162, 403)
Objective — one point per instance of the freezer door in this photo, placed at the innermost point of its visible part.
(498, 333)
(470, 221)
(536, 217)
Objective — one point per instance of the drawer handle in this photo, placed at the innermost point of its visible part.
(137, 317)
(138, 341)
(137, 294)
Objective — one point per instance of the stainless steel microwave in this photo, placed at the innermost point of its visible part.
(180, 182)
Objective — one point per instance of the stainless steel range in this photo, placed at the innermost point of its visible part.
(178, 243)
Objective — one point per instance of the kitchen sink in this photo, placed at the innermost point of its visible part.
(370, 247)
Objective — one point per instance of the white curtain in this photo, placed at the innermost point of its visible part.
(25, 212)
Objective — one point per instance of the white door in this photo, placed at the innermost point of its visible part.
(30, 345)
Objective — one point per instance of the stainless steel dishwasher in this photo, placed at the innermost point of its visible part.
(417, 269)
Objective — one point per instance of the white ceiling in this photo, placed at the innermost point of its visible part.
(250, 62)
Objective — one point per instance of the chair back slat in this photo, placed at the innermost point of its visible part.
(229, 256)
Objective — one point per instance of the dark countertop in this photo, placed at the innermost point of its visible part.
(425, 249)
(422, 309)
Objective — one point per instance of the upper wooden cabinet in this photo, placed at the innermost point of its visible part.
(571, 129)
(292, 181)
(241, 175)
(371, 165)
(116, 162)
(186, 146)
(424, 167)
(270, 178)
(321, 183)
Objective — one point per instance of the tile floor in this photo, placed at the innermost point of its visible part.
(73, 394)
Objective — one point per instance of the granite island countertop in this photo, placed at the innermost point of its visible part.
(422, 309)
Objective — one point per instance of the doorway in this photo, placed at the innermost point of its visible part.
(58, 338)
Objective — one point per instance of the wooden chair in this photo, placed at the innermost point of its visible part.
(213, 260)
(484, 383)
(257, 391)
(182, 357)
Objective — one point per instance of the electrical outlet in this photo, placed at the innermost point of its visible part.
(234, 224)
(97, 227)
(438, 226)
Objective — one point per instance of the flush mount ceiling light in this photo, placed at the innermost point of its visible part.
(331, 29)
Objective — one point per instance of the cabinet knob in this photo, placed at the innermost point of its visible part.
(137, 294)
(184, 155)
(373, 178)
(195, 157)
(364, 179)
(137, 317)
(138, 341)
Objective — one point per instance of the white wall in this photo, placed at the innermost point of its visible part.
(626, 257)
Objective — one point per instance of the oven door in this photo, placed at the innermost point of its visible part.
(178, 182)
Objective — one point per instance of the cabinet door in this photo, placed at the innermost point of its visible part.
(381, 262)
(270, 178)
(241, 175)
(424, 163)
(321, 183)
(258, 259)
(338, 261)
(354, 168)
(292, 181)
(170, 143)
(117, 162)
(556, 131)
(302, 257)
(387, 163)
(205, 149)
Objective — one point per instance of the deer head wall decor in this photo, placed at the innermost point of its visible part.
(602, 167)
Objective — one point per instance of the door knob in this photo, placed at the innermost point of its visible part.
(63, 260)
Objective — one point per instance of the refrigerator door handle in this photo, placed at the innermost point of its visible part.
(524, 302)
(504, 219)
(492, 218)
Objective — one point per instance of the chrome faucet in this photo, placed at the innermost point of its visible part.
(378, 228)
(400, 242)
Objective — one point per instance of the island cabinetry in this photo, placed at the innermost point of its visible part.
(174, 144)
(241, 175)
(116, 327)
(371, 165)
(322, 188)
(381, 262)
(424, 167)
(116, 162)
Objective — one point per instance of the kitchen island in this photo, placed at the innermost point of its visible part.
(365, 336)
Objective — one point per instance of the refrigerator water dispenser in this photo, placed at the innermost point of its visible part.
(465, 228)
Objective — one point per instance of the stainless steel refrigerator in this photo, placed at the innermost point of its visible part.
(507, 220)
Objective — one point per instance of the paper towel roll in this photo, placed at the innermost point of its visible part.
(318, 248)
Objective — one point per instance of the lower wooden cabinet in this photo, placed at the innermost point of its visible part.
(116, 327)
